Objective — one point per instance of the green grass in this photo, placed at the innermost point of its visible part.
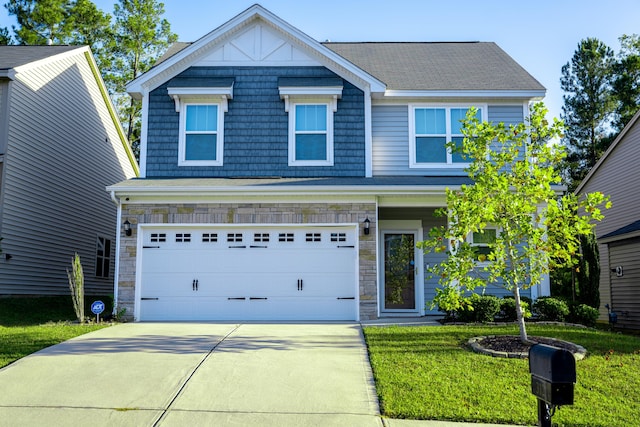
(31, 324)
(428, 373)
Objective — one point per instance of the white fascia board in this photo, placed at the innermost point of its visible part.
(619, 237)
(174, 65)
(309, 191)
(515, 94)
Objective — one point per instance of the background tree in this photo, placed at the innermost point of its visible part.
(73, 22)
(588, 271)
(5, 37)
(536, 230)
(588, 105)
(626, 80)
(140, 37)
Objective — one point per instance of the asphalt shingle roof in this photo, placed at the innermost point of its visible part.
(15, 56)
(430, 65)
(438, 66)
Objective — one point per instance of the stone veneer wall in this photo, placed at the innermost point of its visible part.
(251, 213)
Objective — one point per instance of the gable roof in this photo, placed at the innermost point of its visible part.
(460, 66)
(606, 154)
(183, 55)
(417, 68)
(15, 56)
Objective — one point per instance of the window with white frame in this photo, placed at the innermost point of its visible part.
(310, 134)
(201, 134)
(481, 241)
(431, 127)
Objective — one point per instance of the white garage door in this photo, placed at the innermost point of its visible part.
(220, 273)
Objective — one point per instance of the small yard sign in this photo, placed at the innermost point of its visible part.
(97, 307)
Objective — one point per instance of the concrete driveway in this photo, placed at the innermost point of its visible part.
(204, 374)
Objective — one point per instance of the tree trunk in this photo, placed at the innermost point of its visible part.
(520, 316)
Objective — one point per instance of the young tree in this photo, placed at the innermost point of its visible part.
(141, 36)
(588, 105)
(514, 170)
(626, 80)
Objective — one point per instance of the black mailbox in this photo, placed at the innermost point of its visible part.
(553, 374)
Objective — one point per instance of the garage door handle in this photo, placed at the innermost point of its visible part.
(149, 299)
(346, 246)
(237, 298)
(254, 246)
(300, 284)
(254, 298)
(151, 247)
(238, 247)
(346, 297)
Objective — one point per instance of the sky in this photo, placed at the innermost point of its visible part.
(540, 35)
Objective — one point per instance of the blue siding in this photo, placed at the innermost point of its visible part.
(256, 128)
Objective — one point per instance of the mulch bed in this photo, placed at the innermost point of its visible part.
(512, 346)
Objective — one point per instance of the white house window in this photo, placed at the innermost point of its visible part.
(311, 104)
(103, 257)
(201, 135)
(201, 103)
(311, 135)
(431, 127)
(481, 241)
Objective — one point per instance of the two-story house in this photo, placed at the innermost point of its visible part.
(60, 144)
(280, 175)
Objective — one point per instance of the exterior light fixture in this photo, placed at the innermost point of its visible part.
(367, 224)
(127, 228)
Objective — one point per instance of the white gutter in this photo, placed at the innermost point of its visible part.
(116, 267)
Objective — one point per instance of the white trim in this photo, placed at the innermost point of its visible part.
(525, 94)
(413, 163)
(144, 132)
(368, 134)
(182, 161)
(184, 95)
(116, 267)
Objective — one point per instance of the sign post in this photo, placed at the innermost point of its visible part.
(97, 307)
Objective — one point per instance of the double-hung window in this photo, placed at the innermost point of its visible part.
(201, 103)
(431, 127)
(201, 135)
(311, 134)
(311, 104)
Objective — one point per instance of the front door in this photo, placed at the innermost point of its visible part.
(399, 272)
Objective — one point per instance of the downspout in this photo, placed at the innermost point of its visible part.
(116, 273)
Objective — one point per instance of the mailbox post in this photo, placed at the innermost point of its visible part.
(553, 375)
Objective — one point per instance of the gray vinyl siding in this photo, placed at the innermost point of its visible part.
(256, 128)
(617, 177)
(63, 151)
(625, 290)
(390, 132)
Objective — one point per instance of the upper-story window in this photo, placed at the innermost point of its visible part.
(202, 103)
(430, 128)
(311, 104)
(201, 135)
(311, 134)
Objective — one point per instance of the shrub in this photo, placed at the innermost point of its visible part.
(508, 308)
(483, 309)
(584, 314)
(551, 309)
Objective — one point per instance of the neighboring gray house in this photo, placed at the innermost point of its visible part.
(279, 175)
(60, 145)
(617, 174)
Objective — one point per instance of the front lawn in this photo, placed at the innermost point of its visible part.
(427, 372)
(31, 324)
